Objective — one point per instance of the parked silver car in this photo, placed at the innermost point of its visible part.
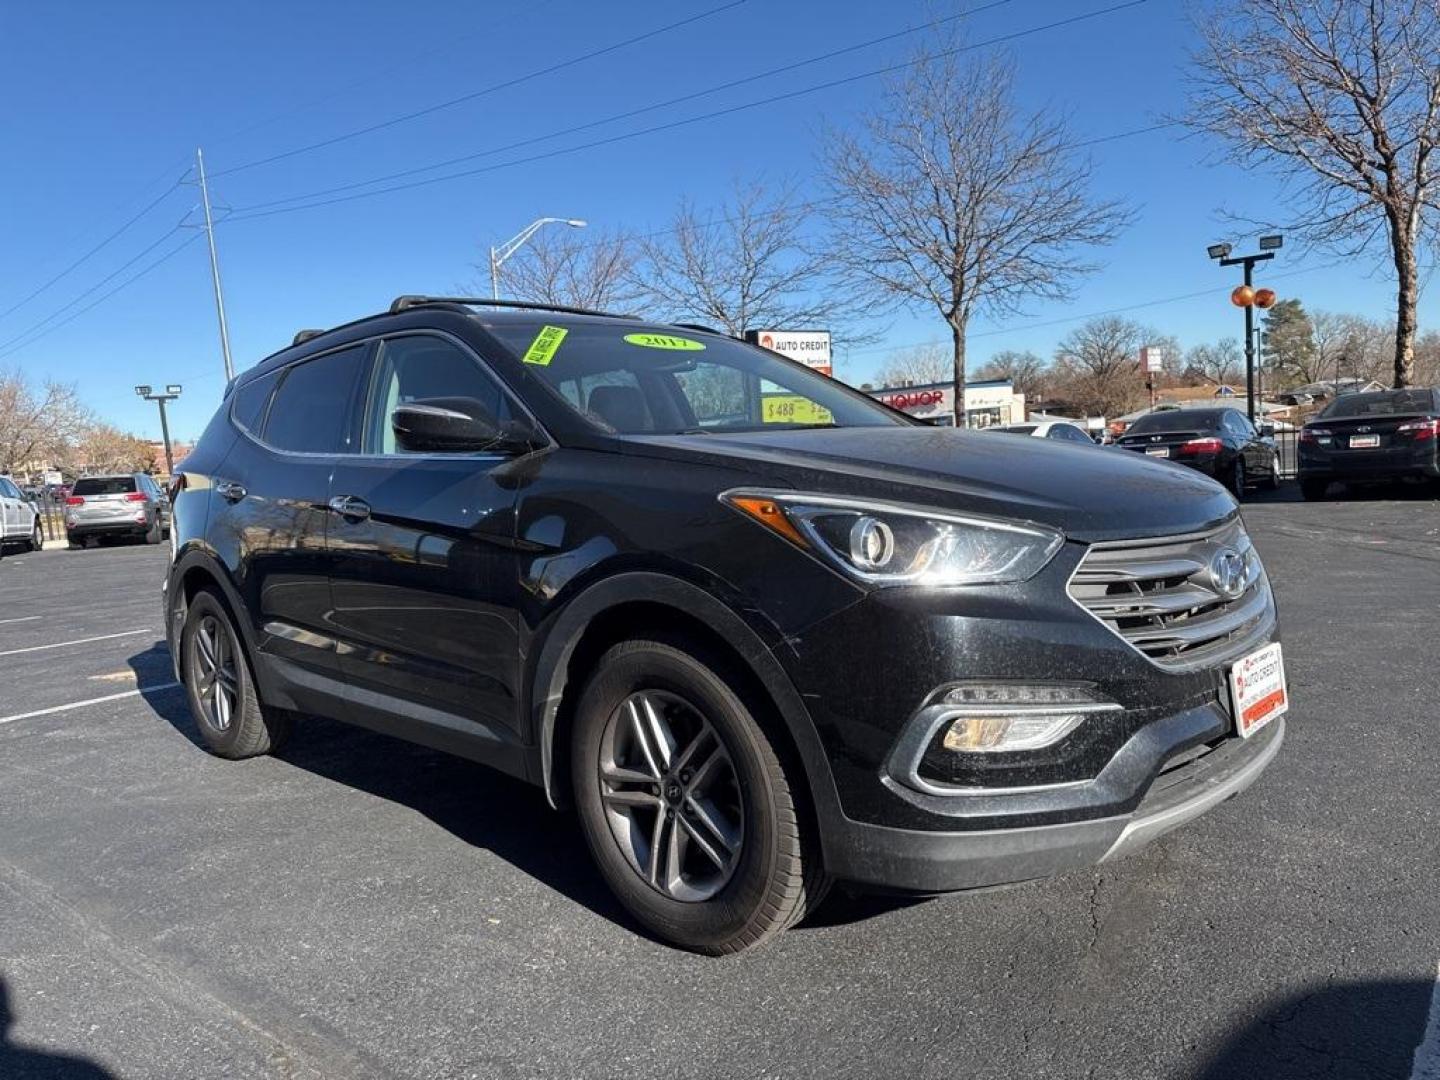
(129, 504)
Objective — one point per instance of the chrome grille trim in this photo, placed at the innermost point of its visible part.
(1157, 595)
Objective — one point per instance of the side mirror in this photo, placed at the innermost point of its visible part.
(1267, 431)
(455, 426)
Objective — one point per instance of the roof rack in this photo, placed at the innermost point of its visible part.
(302, 336)
(701, 327)
(404, 303)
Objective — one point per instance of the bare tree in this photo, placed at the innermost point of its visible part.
(1340, 98)
(1027, 372)
(1099, 365)
(37, 424)
(916, 365)
(103, 447)
(952, 200)
(747, 267)
(567, 267)
(1220, 362)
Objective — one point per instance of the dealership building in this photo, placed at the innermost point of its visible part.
(987, 402)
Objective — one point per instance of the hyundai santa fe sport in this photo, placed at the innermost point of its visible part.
(761, 632)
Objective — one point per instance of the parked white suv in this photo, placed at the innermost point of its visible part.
(19, 520)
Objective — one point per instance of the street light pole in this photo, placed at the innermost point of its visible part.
(1221, 252)
(503, 251)
(171, 393)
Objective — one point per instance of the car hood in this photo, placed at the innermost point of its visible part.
(1089, 494)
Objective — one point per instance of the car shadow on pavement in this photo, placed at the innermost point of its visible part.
(1364, 1030)
(29, 1063)
(476, 804)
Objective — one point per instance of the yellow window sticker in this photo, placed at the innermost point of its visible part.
(793, 409)
(546, 344)
(665, 341)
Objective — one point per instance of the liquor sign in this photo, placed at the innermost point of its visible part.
(809, 347)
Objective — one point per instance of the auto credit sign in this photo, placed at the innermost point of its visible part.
(809, 347)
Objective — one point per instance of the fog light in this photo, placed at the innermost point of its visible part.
(1000, 717)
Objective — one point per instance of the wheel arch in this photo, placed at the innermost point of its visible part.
(614, 609)
(197, 569)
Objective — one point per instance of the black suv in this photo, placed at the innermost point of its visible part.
(759, 630)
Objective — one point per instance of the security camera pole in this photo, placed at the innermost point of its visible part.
(171, 393)
(1245, 297)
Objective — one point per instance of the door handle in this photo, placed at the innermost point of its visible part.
(230, 491)
(350, 507)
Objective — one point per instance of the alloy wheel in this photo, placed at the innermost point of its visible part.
(671, 795)
(214, 672)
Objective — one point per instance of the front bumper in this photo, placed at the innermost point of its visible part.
(931, 862)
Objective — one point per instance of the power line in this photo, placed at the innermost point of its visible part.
(516, 81)
(631, 113)
(1002, 331)
(11, 346)
(92, 252)
(407, 62)
(255, 212)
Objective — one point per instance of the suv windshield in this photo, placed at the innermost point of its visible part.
(1380, 403)
(1175, 420)
(104, 485)
(664, 380)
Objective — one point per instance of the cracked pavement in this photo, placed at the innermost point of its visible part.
(364, 908)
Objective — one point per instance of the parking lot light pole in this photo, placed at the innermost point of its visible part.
(171, 393)
(499, 254)
(1244, 297)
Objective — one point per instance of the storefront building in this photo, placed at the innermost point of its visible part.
(987, 403)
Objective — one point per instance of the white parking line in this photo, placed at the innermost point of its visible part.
(1426, 1065)
(27, 618)
(87, 701)
(77, 641)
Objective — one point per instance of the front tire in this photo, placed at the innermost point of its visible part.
(221, 687)
(153, 534)
(685, 804)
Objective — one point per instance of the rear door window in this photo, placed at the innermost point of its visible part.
(310, 413)
(248, 406)
(104, 485)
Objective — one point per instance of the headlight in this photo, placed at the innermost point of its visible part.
(881, 543)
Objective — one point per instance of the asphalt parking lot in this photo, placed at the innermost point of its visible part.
(359, 907)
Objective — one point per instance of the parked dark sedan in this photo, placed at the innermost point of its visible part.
(1221, 443)
(1364, 438)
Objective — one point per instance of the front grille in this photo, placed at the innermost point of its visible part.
(1164, 596)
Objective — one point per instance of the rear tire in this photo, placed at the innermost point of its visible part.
(716, 858)
(37, 538)
(1272, 482)
(1314, 490)
(1237, 481)
(220, 685)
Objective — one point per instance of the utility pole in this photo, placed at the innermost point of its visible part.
(214, 272)
(171, 393)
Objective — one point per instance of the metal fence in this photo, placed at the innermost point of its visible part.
(51, 507)
(1287, 446)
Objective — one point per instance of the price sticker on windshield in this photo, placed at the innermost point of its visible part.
(546, 344)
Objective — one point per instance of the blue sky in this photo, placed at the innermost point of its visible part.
(106, 104)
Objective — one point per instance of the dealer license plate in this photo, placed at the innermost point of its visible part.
(1157, 451)
(1364, 442)
(1257, 689)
